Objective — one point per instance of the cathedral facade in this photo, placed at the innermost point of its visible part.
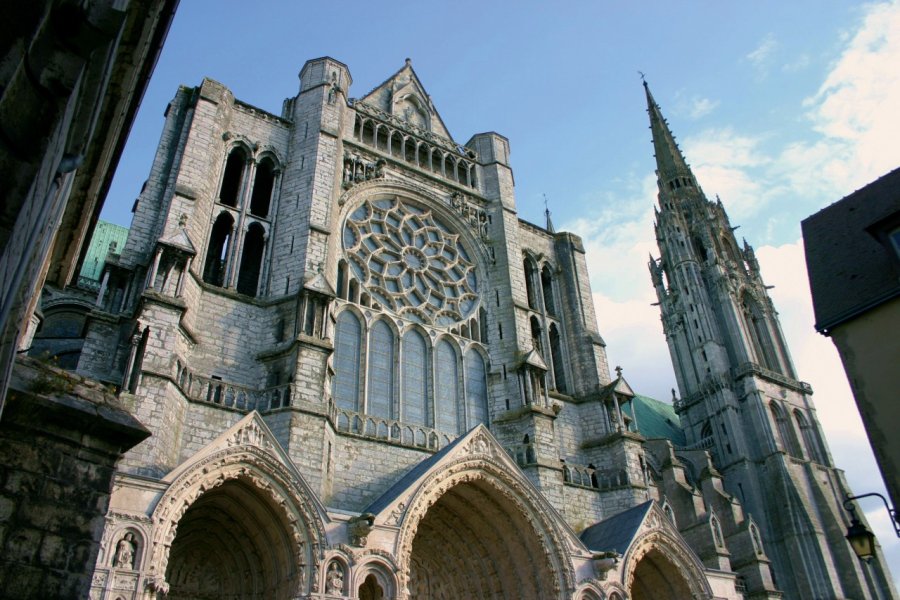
(366, 377)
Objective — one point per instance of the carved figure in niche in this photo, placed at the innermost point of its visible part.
(124, 558)
(334, 579)
(348, 173)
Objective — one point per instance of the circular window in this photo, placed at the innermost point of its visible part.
(410, 261)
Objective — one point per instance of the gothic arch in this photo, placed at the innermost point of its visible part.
(372, 571)
(512, 530)
(661, 567)
(210, 504)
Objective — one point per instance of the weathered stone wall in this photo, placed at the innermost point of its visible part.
(60, 439)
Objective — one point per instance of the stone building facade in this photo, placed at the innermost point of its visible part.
(366, 377)
(741, 399)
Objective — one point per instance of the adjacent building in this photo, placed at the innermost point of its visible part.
(853, 259)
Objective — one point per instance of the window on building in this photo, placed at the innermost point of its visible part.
(230, 190)
(783, 427)
(381, 371)
(251, 259)
(559, 366)
(547, 288)
(217, 250)
(347, 359)
(813, 449)
(263, 184)
(446, 388)
(414, 402)
(530, 271)
(476, 390)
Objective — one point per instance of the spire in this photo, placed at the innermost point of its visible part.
(549, 227)
(669, 160)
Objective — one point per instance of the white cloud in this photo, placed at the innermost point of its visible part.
(760, 56)
(855, 109)
(701, 107)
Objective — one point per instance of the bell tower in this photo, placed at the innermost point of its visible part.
(740, 396)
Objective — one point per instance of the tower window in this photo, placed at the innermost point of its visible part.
(263, 184)
(231, 180)
(217, 250)
(251, 260)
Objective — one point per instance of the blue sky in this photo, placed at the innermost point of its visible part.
(781, 108)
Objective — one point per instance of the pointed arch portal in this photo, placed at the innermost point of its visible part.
(233, 542)
(474, 543)
(657, 578)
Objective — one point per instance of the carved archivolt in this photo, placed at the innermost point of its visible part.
(479, 466)
(268, 475)
(686, 563)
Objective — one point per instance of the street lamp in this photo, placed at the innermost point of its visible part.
(861, 539)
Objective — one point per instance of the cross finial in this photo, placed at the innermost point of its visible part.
(619, 372)
(641, 73)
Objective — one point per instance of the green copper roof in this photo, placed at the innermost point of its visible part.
(656, 419)
(104, 234)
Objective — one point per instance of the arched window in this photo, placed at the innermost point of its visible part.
(547, 288)
(808, 434)
(758, 331)
(537, 339)
(476, 390)
(251, 259)
(347, 358)
(788, 442)
(447, 388)
(559, 368)
(530, 283)
(231, 180)
(414, 405)
(263, 184)
(716, 531)
(217, 250)
(381, 371)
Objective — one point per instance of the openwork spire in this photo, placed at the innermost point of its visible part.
(669, 160)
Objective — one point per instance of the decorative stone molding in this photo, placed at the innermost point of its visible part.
(267, 474)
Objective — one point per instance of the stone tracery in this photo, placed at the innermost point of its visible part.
(410, 261)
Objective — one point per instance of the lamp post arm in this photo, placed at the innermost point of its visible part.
(893, 513)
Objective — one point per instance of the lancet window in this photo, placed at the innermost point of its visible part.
(238, 239)
(810, 440)
(435, 386)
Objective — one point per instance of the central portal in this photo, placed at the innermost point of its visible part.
(475, 543)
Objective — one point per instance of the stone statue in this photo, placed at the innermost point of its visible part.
(124, 558)
(334, 580)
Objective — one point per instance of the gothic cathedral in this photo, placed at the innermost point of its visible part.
(366, 377)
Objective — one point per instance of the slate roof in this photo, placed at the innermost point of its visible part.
(850, 271)
(410, 478)
(656, 419)
(617, 532)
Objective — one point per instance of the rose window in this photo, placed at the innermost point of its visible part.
(410, 262)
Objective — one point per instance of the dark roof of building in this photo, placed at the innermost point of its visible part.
(656, 419)
(850, 269)
(411, 476)
(615, 533)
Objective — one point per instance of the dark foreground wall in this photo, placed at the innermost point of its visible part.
(60, 438)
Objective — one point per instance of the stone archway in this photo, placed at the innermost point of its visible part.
(474, 543)
(237, 523)
(657, 578)
(660, 567)
(233, 542)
